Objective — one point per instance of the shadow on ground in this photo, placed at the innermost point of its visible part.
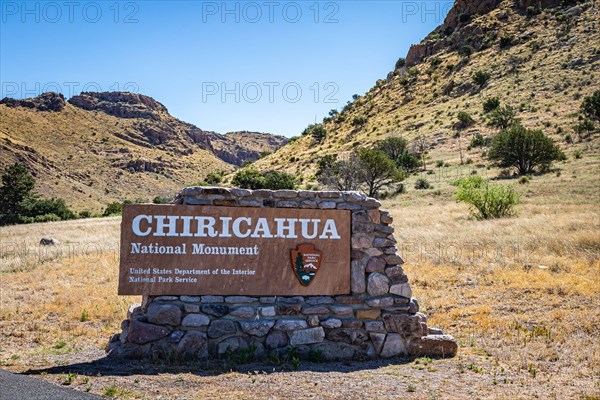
(121, 367)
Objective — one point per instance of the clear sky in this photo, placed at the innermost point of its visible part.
(267, 66)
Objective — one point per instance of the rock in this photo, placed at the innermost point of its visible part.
(331, 323)
(433, 346)
(276, 340)
(176, 337)
(357, 280)
(48, 101)
(394, 270)
(48, 241)
(193, 345)
(217, 310)
(368, 314)
(348, 335)
(351, 323)
(307, 336)
(231, 344)
(378, 340)
(383, 242)
(134, 308)
(313, 320)
(361, 242)
(166, 298)
(290, 324)
(379, 302)
(267, 311)
(267, 299)
(221, 327)
(240, 299)
(190, 299)
(327, 205)
(394, 345)
(140, 332)
(318, 300)
(394, 259)
(342, 310)
(164, 314)
(315, 310)
(291, 300)
(402, 289)
(434, 331)
(257, 328)
(413, 306)
(335, 351)
(374, 326)
(403, 324)
(377, 284)
(242, 312)
(195, 320)
(191, 308)
(212, 299)
(385, 217)
(375, 264)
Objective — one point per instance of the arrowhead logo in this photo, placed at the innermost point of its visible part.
(306, 261)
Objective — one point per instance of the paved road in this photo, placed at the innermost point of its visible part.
(22, 387)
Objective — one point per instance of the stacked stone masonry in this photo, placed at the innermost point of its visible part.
(378, 319)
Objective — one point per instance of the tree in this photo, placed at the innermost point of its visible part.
(377, 170)
(344, 174)
(503, 118)
(317, 131)
(16, 191)
(491, 104)
(464, 120)
(524, 149)
(590, 107)
(400, 63)
(393, 147)
(114, 208)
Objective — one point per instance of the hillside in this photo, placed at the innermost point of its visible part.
(102, 147)
(542, 59)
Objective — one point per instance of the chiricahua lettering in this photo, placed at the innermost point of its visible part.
(227, 227)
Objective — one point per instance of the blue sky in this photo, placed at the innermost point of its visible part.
(267, 66)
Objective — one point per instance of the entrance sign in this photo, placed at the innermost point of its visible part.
(211, 250)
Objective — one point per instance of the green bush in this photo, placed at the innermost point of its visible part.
(481, 77)
(214, 178)
(524, 149)
(422, 183)
(114, 208)
(359, 121)
(503, 118)
(590, 107)
(491, 104)
(248, 178)
(400, 63)
(316, 131)
(46, 218)
(279, 180)
(464, 119)
(487, 200)
(85, 214)
(478, 140)
(466, 50)
(506, 41)
(43, 207)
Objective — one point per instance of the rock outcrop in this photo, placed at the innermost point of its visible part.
(120, 104)
(45, 102)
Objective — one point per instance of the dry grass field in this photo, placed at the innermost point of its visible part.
(521, 295)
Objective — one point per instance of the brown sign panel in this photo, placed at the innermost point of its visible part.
(207, 250)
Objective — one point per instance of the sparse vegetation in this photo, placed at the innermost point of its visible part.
(481, 77)
(491, 104)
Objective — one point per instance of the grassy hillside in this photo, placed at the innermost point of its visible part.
(123, 147)
(542, 62)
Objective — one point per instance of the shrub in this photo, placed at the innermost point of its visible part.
(317, 131)
(85, 214)
(214, 178)
(474, 182)
(359, 121)
(503, 118)
(481, 77)
(42, 207)
(487, 200)
(584, 127)
(590, 107)
(377, 170)
(524, 180)
(464, 119)
(400, 63)
(46, 218)
(422, 183)
(478, 140)
(409, 162)
(491, 104)
(279, 180)
(161, 200)
(506, 41)
(466, 50)
(113, 208)
(524, 149)
(248, 178)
